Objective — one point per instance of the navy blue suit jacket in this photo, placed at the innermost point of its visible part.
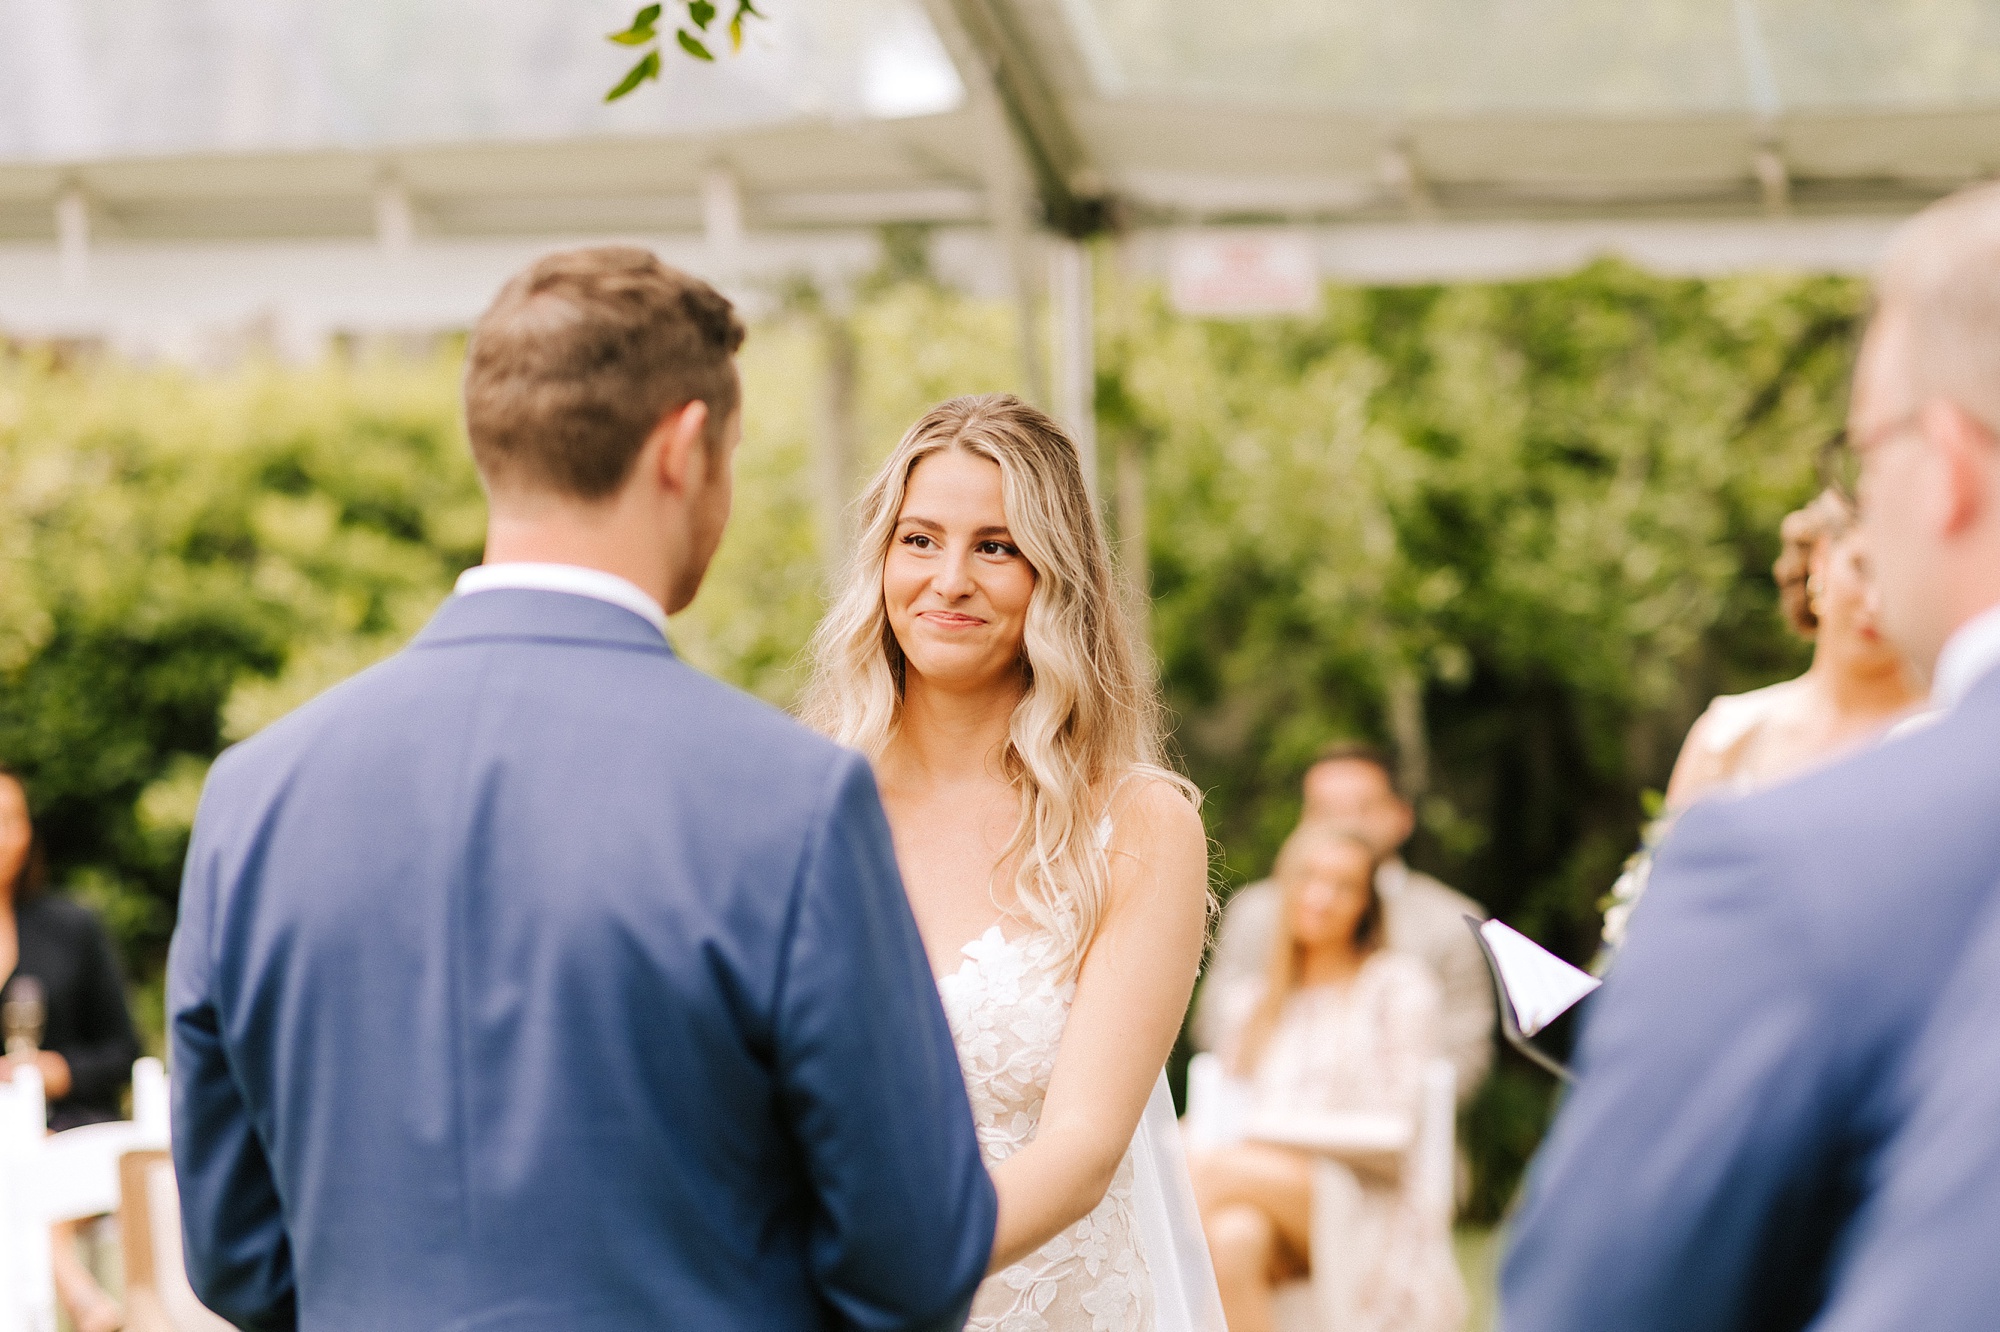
(534, 980)
(1770, 1124)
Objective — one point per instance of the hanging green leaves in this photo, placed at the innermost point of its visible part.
(743, 10)
(647, 68)
(645, 31)
(642, 30)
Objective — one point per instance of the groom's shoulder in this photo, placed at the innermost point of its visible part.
(1932, 777)
(330, 711)
(639, 710)
(738, 726)
(1857, 855)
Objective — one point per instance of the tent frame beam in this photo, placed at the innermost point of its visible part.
(992, 52)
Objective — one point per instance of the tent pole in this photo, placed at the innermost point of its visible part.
(1076, 349)
(1128, 470)
(1028, 154)
(1007, 204)
(73, 237)
(835, 444)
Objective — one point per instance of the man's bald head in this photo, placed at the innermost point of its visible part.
(1926, 421)
(1941, 283)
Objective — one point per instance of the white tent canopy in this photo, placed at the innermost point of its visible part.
(383, 161)
(183, 119)
(1482, 108)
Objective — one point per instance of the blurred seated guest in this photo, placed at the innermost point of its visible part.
(1857, 683)
(1340, 1024)
(86, 1045)
(1856, 686)
(1352, 786)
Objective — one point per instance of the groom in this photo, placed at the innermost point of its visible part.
(1787, 1110)
(533, 980)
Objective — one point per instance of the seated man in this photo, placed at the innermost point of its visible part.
(1351, 785)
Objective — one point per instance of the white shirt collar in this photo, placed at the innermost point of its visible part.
(571, 578)
(1972, 653)
(1391, 878)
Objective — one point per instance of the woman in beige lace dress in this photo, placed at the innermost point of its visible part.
(1856, 686)
(1341, 1025)
(980, 657)
(1855, 689)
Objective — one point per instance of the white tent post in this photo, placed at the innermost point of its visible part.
(1128, 469)
(1076, 348)
(1007, 206)
(1002, 148)
(836, 438)
(395, 219)
(1128, 481)
(722, 224)
(73, 237)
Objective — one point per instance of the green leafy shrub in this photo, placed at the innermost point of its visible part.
(1548, 508)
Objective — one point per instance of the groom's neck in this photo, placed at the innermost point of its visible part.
(601, 536)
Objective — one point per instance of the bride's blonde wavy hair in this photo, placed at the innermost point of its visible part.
(1088, 717)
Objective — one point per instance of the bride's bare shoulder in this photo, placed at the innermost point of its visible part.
(1157, 832)
(1156, 801)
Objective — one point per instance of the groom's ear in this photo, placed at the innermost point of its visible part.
(677, 449)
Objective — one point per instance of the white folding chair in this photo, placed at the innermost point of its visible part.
(46, 1178)
(27, 1283)
(1219, 1112)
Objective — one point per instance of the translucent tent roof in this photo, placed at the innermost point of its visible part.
(94, 79)
(191, 119)
(1484, 108)
(1541, 57)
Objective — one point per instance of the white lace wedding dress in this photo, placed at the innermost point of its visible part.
(1008, 1005)
(1137, 1262)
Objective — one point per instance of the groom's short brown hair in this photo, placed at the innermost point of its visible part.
(579, 357)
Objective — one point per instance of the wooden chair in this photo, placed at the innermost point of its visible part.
(1219, 1112)
(158, 1297)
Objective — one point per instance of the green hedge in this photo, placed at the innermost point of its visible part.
(1544, 510)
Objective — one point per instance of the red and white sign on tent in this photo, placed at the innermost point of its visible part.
(1238, 273)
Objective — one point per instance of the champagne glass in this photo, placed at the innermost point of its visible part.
(23, 1014)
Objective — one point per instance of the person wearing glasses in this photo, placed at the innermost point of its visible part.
(1786, 1090)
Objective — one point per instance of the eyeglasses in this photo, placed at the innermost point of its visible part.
(1844, 454)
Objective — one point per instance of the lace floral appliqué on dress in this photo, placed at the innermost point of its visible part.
(1008, 1005)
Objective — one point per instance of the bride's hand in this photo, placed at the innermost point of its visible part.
(1131, 996)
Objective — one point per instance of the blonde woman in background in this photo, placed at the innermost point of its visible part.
(1342, 1025)
(1057, 870)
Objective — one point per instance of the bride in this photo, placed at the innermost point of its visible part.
(1058, 872)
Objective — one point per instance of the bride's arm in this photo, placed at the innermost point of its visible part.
(1131, 996)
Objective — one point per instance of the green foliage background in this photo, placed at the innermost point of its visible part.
(1550, 505)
